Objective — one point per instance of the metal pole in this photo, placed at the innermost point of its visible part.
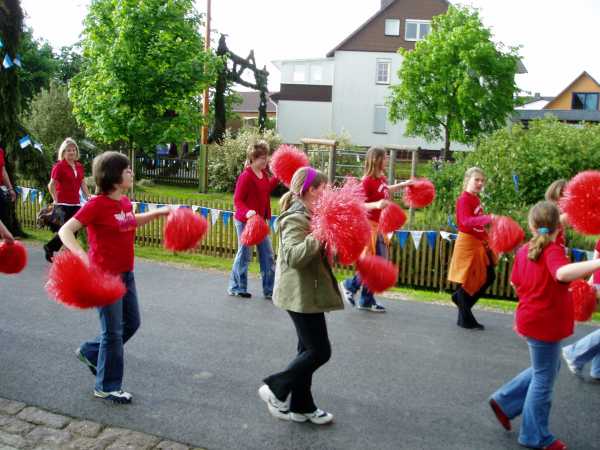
(203, 157)
(392, 167)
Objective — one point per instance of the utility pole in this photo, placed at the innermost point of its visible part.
(203, 157)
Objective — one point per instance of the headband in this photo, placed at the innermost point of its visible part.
(543, 230)
(310, 176)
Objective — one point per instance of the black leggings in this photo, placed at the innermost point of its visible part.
(65, 212)
(314, 350)
(465, 302)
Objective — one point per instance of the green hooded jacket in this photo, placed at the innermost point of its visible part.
(304, 281)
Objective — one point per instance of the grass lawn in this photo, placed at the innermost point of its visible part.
(224, 265)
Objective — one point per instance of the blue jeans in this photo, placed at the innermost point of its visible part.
(118, 323)
(585, 350)
(238, 280)
(353, 284)
(530, 394)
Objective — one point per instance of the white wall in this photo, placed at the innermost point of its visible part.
(297, 120)
(287, 71)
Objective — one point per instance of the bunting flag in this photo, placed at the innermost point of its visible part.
(25, 141)
(33, 193)
(515, 179)
(195, 208)
(17, 61)
(448, 236)
(7, 62)
(214, 215)
(431, 238)
(24, 194)
(416, 235)
(38, 147)
(451, 224)
(40, 197)
(134, 207)
(142, 207)
(1, 43)
(402, 237)
(273, 222)
(226, 216)
(577, 254)
(204, 212)
(151, 206)
(589, 254)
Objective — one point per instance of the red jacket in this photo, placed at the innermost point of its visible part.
(470, 217)
(253, 193)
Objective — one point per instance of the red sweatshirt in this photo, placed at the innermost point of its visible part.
(470, 217)
(254, 193)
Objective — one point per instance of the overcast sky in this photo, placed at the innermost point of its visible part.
(559, 38)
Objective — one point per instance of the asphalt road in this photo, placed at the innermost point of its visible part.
(408, 379)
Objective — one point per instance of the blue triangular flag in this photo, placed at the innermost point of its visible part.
(1, 43)
(451, 223)
(143, 207)
(7, 63)
(204, 212)
(431, 238)
(25, 141)
(515, 178)
(226, 216)
(577, 254)
(273, 222)
(17, 61)
(185, 206)
(402, 237)
(33, 195)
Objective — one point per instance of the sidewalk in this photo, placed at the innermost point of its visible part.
(28, 427)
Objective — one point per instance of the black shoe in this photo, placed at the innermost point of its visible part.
(114, 396)
(240, 294)
(48, 253)
(268, 297)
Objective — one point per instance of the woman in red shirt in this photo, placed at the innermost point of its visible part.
(66, 178)
(253, 196)
(544, 316)
(472, 264)
(111, 225)
(377, 193)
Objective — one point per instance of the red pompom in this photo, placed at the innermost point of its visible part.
(584, 300)
(505, 235)
(13, 257)
(73, 283)
(184, 229)
(377, 273)
(419, 194)
(340, 221)
(581, 202)
(392, 218)
(286, 160)
(255, 231)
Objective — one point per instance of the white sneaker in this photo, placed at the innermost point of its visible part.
(276, 407)
(375, 307)
(347, 295)
(318, 417)
(114, 396)
(570, 365)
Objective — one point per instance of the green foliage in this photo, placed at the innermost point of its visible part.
(226, 161)
(143, 69)
(456, 85)
(548, 150)
(69, 63)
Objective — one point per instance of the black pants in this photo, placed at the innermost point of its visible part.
(465, 302)
(65, 212)
(314, 350)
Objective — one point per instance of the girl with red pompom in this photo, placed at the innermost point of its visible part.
(544, 316)
(472, 263)
(586, 349)
(111, 225)
(554, 194)
(306, 288)
(252, 196)
(377, 197)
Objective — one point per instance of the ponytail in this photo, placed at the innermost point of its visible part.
(544, 219)
(286, 201)
(537, 244)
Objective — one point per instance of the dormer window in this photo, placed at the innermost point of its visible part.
(392, 27)
(585, 100)
(416, 30)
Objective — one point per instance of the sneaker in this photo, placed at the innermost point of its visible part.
(114, 396)
(48, 254)
(276, 407)
(556, 445)
(375, 307)
(240, 294)
(318, 417)
(500, 415)
(81, 357)
(570, 364)
(347, 295)
(268, 297)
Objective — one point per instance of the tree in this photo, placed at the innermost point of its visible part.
(456, 84)
(69, 62)
(143, 70)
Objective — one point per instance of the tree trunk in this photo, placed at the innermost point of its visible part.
(446, 149)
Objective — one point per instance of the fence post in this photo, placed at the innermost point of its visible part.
(332, 158)
(203, 168)
(392, 167)
(413, 173)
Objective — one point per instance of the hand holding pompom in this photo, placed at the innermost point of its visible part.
(286, 160)
(377, 273)
(584, 300)
(581, 202)
(419, 193)
(255, 231)
(392, 218)
(505, 234)
(13, 257)
(184, 229)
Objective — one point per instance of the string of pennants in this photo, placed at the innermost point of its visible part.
(7, 61)
(35, 195)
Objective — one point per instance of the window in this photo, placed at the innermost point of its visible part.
(380, 122)
(392, 27)
(316, 73)
(585, 100)
(299, 72)
(383, 71)
(416, 29)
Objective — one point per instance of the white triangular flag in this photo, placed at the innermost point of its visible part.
(24, 194)
(446, 235)
(134, 206)
(151, 206)
(214, 215)
(195, 208)
(416, 235)
(40, 197)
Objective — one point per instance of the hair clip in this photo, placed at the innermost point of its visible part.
(543, 230)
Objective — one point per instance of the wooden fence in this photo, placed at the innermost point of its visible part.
(167, 170)
(422, 267)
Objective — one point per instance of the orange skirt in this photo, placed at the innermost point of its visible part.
(469, 263)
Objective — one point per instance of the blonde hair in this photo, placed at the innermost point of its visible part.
(256, 150)
(555, 190)
(546, 215)
(61, 150)
(297, 184)
(469, 174)
(374, 160)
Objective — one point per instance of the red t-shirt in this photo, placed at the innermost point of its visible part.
(68, 182)
(470, 216)
(596, 279)
(560, 237)
(253, 193)
(375, 189)
(111, 231)
(545, 310)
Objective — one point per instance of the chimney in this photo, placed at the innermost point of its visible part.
(386, 3)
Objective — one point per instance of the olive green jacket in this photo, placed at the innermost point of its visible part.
(304, 281)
